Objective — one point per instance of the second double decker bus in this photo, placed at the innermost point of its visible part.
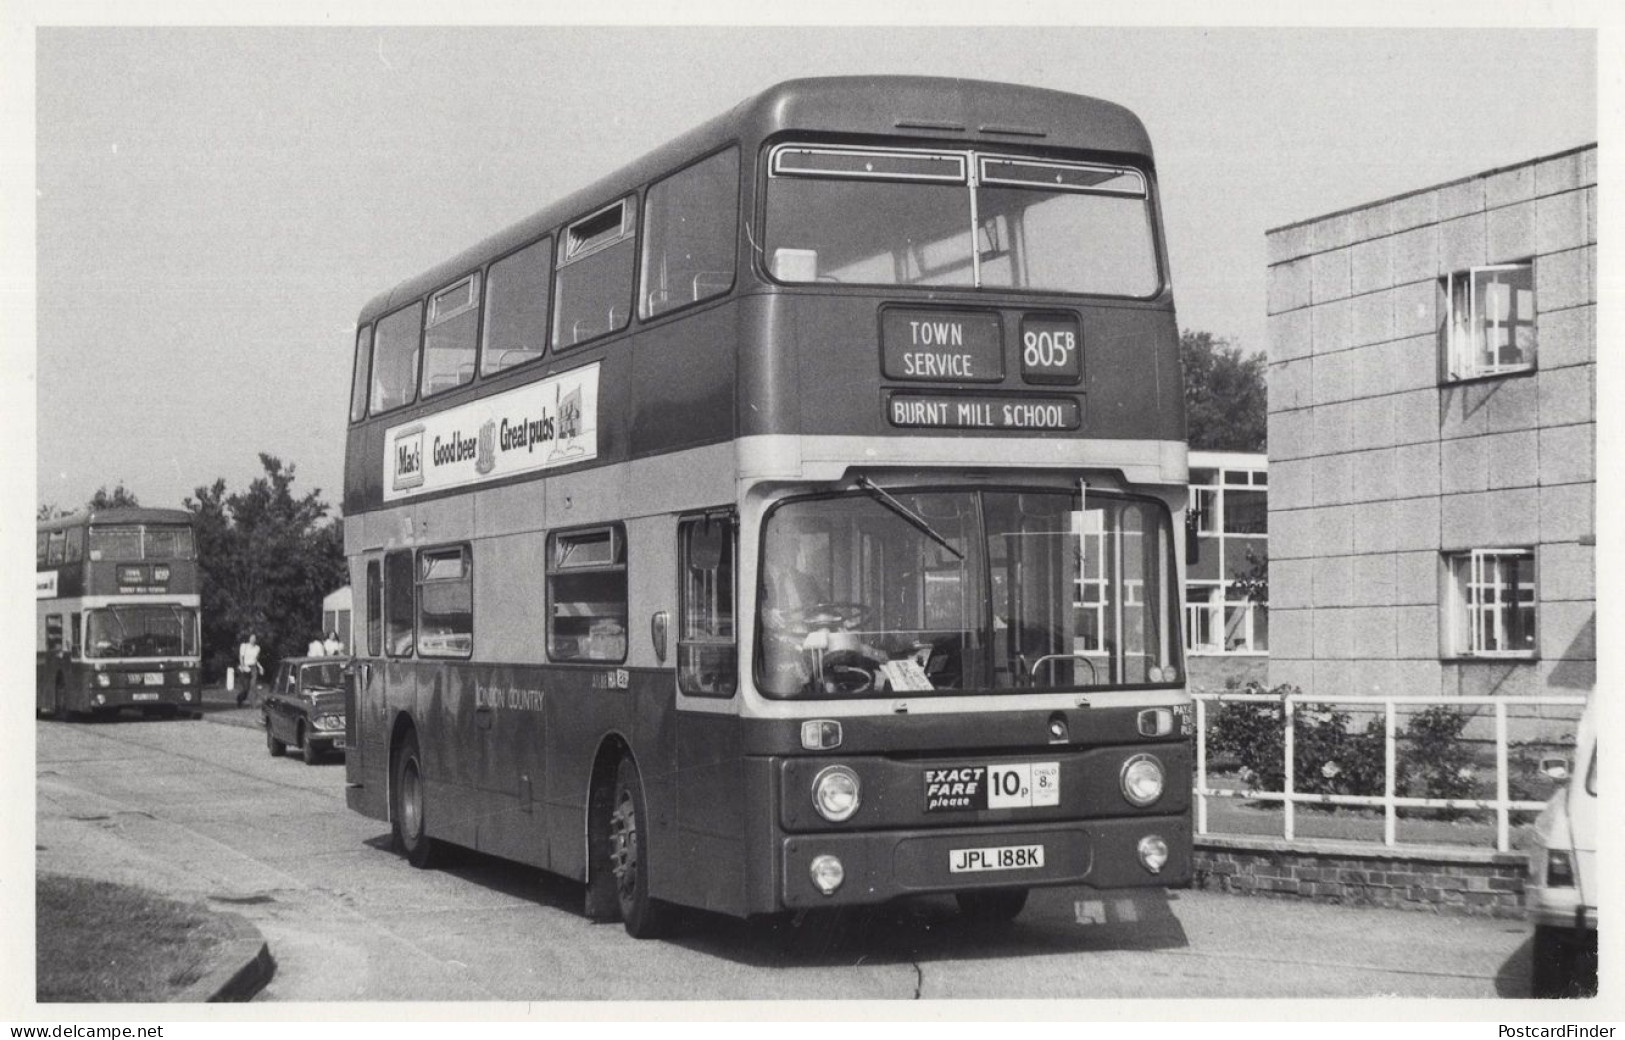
(787, 520)
(116, 597)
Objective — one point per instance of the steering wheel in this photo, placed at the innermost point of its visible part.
(839, 613)
(847, 679)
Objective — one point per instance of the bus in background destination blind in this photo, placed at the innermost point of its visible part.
(786, 521)
(116, 598)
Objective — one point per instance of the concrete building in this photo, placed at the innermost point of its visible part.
(1227, 537)
(1432, 436)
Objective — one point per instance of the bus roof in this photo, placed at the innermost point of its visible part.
(938, 109)
(123, 515)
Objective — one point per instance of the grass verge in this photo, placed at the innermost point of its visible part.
(103, 942)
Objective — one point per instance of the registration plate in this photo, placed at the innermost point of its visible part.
(153, 678)
(1014, 785)
(143, 696)
(998, 857)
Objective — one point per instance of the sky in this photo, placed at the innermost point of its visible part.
(214, 205)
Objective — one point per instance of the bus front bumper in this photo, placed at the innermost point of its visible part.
(878, 866)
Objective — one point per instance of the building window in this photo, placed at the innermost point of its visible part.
(1226, 552)
(1492, 321)
(1491, 600)
(445, 603)
(707, 653)
(586, 595)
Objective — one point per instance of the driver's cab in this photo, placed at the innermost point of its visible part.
(873, 591)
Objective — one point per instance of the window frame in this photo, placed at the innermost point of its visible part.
(417, 371)
(1459, 629)
(375, 607)
(419, 580)
(641, 289)
(685, 524)
(566, 254)
(475, 280)
(549, 271)
(388, 618)
(620, 562)
(1458, 364)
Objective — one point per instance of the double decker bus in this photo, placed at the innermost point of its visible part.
(116, 594)
(787, 520)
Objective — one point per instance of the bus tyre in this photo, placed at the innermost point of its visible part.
(629, 856)
(275, 746)
(306, 748)
(407, 812)
(991, 905)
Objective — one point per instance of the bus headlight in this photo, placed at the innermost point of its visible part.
(827, 874)
(101, 698)
(1142, 780)
(1153, 853)
(184, 678)
(103, 679)
(836, 793)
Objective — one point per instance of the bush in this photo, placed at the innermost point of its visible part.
(1432, 759)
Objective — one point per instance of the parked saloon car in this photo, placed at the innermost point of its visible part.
(305, 707)
(1561, 894)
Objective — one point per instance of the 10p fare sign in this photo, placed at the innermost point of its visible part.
(1018, 785)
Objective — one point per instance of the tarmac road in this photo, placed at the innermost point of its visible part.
(200, 809)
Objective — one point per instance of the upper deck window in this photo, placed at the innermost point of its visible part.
(448, 336)
(130, 542)
(395, 359)
(690, 223)
(516, 308)
(890, 217)
(358, 381)
(593, 289)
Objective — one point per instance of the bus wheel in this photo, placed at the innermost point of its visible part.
(275, 746)
(991, 906)
(409, 832)
(312, 756)
(629, 855)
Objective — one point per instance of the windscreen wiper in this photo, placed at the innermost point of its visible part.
(908, 514)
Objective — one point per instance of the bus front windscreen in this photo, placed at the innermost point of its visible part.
(128, 543)
(141, 631)
(871, 594)
(874, 217)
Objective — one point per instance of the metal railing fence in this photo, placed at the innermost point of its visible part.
(1502, 804)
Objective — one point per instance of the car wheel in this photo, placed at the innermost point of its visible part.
(275, 746)
(1551, 963)
(312, 756)
(408, 811)
(643, 917)
(991, 905)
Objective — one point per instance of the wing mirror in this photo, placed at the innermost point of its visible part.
(1556, 768)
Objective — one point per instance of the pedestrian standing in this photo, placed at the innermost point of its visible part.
(316, 648)
(248, 666)
(333, 647)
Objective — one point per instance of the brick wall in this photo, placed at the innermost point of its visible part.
(1376, 468)
(1437, 880)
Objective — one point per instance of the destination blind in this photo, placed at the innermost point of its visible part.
(942, 345)
(983, 411)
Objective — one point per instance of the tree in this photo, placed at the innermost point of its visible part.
(266, 557)
(119, 498)
(1225, 394)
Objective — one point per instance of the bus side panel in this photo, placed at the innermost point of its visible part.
(508, 742)
(708, 857)
(366, 763)
(682, 382)
(444, 736)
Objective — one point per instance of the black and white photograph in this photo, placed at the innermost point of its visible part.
(805, 512)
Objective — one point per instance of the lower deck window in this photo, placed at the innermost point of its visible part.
(586, 595)
(445, 615)
(398, 608)
(707, 654)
